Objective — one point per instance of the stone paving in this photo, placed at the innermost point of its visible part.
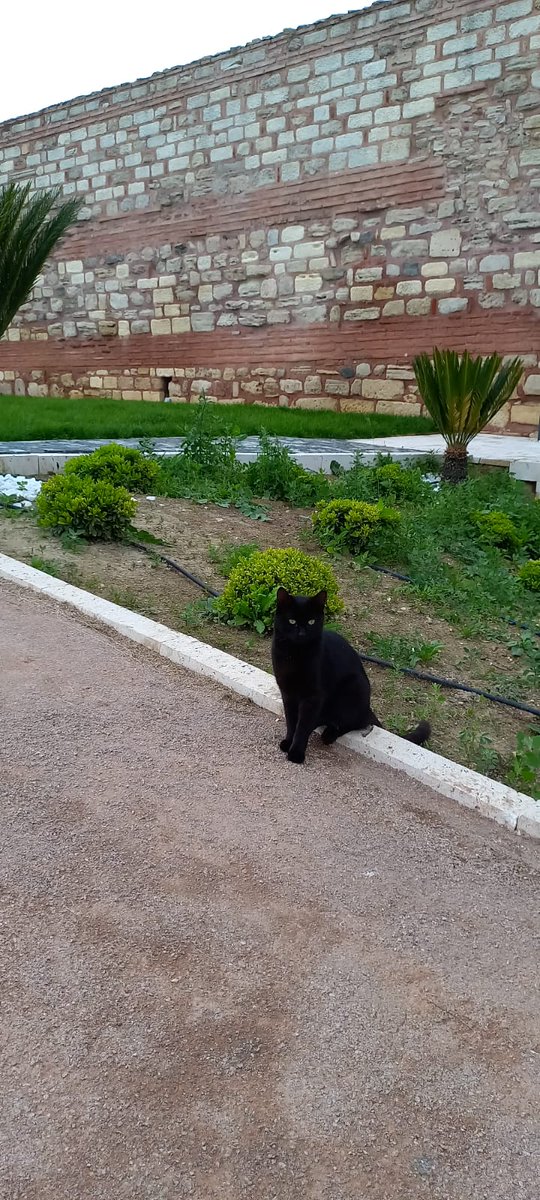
(485, 448)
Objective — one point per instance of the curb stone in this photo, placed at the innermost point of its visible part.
(495, 800)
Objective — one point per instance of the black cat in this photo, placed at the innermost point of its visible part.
(320, 677)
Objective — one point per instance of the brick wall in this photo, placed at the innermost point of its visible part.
(292, 221)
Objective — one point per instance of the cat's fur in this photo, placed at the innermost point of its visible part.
(321, 678)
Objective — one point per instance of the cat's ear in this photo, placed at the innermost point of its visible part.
(321, 598)
(283, 596)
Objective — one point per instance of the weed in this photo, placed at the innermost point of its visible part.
(477, 747)
(275, 475)
(70, 540)
(135, 535)
(227, 556)
(50, 566)
(47, 565)
(524, 770)
(401, 652)
(197, 614)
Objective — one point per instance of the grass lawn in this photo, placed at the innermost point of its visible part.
(23, 418)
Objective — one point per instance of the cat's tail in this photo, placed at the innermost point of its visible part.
(419, 736)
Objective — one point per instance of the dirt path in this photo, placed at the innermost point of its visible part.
(224, 976)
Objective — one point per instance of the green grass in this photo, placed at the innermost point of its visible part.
(28, 419)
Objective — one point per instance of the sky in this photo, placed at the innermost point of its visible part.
(56, 49)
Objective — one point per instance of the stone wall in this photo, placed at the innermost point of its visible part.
(291, 222)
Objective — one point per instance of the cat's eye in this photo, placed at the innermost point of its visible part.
(292, 621)
(312, 622)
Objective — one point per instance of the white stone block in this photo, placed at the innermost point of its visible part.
(446, 243)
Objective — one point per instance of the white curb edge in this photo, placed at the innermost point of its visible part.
(47, 463)
(490, 798)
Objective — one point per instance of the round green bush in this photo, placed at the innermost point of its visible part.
(496, 528)
(94, 508)
(352, 524)
(249, 597)
(400, 483)
(122, 466)
(529, 574)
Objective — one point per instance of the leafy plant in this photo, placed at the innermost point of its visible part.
(478, 750)
(351, 524)
(524, 772)
(526, 646)
(397, 482)
(496, 528)
(122, 466)
(47, 565)
(92, 507)
(462, 395)
(226, 557)
(206, 470)
(249, 597)
(30, 228)
(401, 651)
(529, 574)
(276, 475)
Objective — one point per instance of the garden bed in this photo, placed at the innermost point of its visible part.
(382, 616)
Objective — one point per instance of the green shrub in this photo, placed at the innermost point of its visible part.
(122, 466)
(401, 483)
(496, 528)
(249, 597)
(92, 507)
(529, 574)
(352, 524)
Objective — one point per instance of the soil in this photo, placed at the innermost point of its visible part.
(225, 977)
(466, 729)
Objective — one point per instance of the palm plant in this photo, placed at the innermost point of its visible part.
(30, 227)
(462, 395)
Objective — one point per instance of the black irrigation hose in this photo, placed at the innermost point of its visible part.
(407, 579)
(450, 683)
(371, 658)
(174, 566)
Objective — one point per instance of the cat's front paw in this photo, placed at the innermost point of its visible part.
(295, 755)
(285, 744)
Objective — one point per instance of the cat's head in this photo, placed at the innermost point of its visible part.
(299, 619)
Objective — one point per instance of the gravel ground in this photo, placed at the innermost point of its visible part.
(226, 976)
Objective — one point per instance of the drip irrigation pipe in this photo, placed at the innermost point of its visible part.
(407, 579)
(371, 658)
(450, 683)
(174, 566)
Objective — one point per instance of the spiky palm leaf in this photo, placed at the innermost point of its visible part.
(30, 227)
(463, 394)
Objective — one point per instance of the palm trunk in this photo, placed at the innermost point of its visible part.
(455, 466)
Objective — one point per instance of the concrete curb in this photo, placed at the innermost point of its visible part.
(502, 804)
(53, 464)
